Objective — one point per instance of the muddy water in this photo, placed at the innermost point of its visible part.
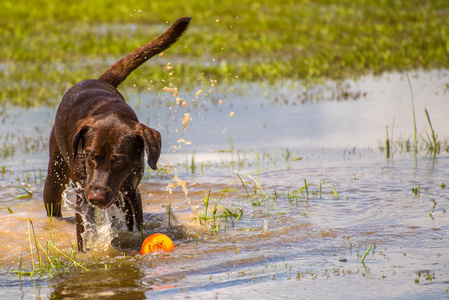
(290, 242)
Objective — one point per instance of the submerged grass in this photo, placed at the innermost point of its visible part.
(431, 144)
(428, 142)
(51, 45)
(47, 259)
(236, 213)
(251, 189)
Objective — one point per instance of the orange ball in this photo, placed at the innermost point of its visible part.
(157, 242)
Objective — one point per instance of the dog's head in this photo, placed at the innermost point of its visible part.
(113, 154)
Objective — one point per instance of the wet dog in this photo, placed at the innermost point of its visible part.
(98, 142)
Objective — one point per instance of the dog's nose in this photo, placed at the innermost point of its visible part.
(100, 197)
(97, 197)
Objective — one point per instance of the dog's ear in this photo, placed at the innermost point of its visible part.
(79, 136)
(152, 142)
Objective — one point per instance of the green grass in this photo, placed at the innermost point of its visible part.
(49, 45)
(367, 251)
(250, 189)
(28, 192)
(423, 141)
(430, 143)
(46, 259)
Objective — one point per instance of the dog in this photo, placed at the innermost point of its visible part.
(98, 143)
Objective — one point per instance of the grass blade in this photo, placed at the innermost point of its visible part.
(367, 251)
(413, 110)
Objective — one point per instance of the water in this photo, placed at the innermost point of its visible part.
(286, 244)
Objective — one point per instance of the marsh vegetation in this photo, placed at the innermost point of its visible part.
(48, 46)
(304, 147)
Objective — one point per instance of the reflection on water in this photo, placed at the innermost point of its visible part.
(322, 195)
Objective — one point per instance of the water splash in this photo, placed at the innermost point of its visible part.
(101, 225)
(173, 184)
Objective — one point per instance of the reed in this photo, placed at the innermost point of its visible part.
(389, 142)
(28, 192)
(306, 187)
(415, 139)
(206, 199)
(367, 251)
(429, 142)
(433, 145)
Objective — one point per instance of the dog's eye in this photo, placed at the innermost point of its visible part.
(117, 160)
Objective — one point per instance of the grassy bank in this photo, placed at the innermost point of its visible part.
(49, 45)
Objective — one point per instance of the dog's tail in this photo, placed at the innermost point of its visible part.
(118, 72)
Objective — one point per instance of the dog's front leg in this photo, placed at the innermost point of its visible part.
(131, 206)
(136, 203)
(56, 181)
(79, 221)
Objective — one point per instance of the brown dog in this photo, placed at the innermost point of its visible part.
(98, 142)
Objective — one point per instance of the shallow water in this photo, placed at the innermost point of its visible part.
(286, 244)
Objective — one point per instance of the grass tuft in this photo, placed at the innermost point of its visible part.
(433, 145)
(429, 142)
(51, 260)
